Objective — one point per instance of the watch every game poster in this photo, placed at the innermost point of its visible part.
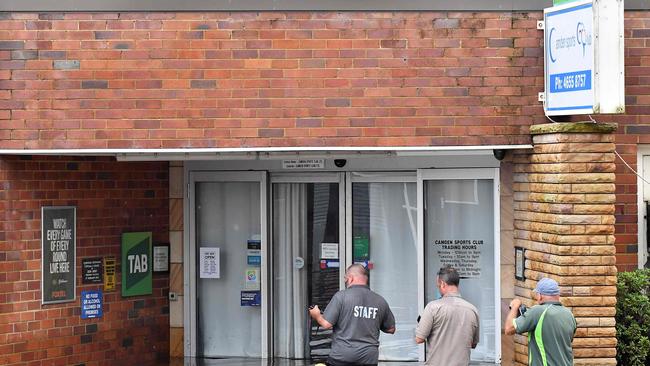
(58, 249)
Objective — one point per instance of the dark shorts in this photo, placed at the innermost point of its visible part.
(332, 362)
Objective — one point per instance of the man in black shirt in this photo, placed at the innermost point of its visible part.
(357, 315)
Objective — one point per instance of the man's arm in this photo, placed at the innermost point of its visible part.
(424, 327)
(388, 324)
(512, 315)
(318, 317)
(477, 332)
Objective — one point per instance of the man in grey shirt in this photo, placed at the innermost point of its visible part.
(449, 325)
(357, 315)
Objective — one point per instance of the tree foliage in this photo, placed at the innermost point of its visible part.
(633, 318)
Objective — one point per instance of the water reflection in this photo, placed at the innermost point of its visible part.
(271, 362)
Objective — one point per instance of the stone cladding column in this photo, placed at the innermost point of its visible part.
(176, 314)
(564, 195)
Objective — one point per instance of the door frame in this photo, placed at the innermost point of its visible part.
(306, 177)
(345, 180)
(409, 176)
(471, 173)
(642, 223)
(189, 268)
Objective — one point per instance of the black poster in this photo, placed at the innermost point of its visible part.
(58, 231)
(91, 270)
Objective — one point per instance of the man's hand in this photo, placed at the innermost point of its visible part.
(515, 304)
(509, 326)
(314, 312)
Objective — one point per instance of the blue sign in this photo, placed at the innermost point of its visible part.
(91, 304)
(254, 260)
(571, 81)
(251, 298)
(329, 263)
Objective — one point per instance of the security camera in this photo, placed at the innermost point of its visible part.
(499, 154)
(340, 162)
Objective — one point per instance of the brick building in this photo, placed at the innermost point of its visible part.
(298, 142)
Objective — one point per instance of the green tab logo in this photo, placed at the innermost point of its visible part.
(136, 264)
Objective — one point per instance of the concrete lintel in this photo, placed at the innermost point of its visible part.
(573, 127)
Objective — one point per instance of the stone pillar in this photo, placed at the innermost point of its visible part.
(176, 266)
(564, 195)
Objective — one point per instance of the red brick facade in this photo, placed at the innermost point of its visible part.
(173, 80)
(110, 198)
(182, 80)
(190, 80)
(634, 128)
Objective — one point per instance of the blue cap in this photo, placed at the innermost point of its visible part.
(547, 286)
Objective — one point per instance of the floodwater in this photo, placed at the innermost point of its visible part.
(273, 362)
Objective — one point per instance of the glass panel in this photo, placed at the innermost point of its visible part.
(228, 218)
(384, 235)
(304, 217)
(459, 230)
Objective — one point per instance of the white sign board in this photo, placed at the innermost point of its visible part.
(209, 263)
(583, 45)
(329, 250)
(303, 164)
(570, 58)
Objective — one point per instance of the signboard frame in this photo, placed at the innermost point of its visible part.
(597, 87)
(210, 262)
(145, 285)
(99, 307)
(161, 250)
(110, 278)
(520, 263)
(70, 297)
(92, 263)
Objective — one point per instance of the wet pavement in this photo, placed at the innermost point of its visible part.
(276, 362)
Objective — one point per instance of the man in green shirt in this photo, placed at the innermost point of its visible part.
(550, 326)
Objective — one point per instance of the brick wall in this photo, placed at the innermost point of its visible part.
(111, 198)
(634, 128)
(171, 80)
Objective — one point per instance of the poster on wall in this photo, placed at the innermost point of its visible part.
(58, 249)
(91, 304)
(91, 270)
(109, 274)
(252, 279)
(329, 250)
(161, 258)
(462, 254)
(209, 263)
(251, 298)
(136, 264)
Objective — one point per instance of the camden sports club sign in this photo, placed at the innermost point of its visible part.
(136, 264)
(583, 44)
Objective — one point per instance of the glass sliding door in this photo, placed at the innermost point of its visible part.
(229, 266)
(384, 238)
(459, 230)
(306, 232)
